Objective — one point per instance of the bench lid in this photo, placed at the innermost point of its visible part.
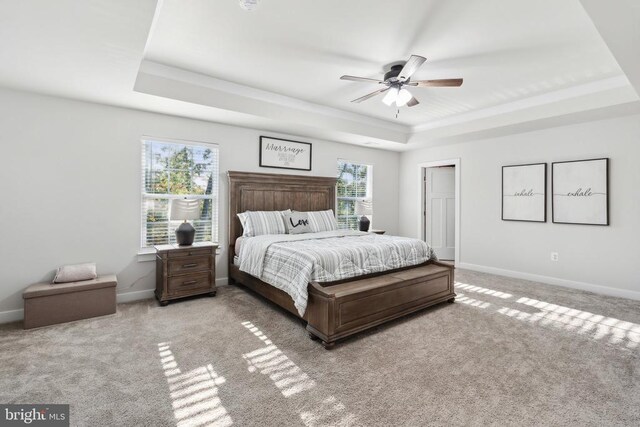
(47, 289)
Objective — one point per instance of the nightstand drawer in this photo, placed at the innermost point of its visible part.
(189, 264)
(189, 252)
(184, 284)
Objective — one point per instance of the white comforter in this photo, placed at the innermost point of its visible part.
(290, 261)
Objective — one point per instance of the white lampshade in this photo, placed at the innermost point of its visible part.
(398, 96)
(184, 209)
(403, 97)
(364, 207)
(391, 96)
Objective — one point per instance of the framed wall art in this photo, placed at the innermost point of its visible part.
(580, 190)
(284, 154)
(524, 192)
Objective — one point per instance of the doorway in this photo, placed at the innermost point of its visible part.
(440, 208)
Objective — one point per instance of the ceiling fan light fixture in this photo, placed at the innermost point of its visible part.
(396, 79)
(249, 4)
(403, 97)
(391, 96)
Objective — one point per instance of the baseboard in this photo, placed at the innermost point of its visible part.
(11, 316)
(134, 296)
(149, 293)
(17, 315)
(591, 287)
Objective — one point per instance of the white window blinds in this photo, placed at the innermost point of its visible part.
(354, 183)
(177, 170)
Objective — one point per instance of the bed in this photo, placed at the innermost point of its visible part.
(340, 308)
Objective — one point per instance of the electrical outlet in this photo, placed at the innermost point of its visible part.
(554, 256)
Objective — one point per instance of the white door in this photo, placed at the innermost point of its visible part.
(440, 215)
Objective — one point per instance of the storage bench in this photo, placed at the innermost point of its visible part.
(338, 310)
(47, 304)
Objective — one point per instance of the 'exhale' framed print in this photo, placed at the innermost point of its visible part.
(580, 191)
(284, 154)
(524, 192)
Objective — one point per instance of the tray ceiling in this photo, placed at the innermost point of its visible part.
(278, 67)
(504, 50)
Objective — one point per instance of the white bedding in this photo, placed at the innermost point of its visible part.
(238, 245)
(289, 262)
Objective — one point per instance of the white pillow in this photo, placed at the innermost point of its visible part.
(322, 221)
(75, 273)
(243, 221)
(257, 223)
(297, 222)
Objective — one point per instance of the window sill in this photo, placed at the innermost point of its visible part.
(146, 255)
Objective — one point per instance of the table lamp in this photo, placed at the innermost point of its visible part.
(185, 210)
(364, 207)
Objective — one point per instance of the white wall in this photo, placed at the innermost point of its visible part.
(601, 259)
(70, 177)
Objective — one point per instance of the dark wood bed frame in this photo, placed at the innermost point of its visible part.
(338, 309)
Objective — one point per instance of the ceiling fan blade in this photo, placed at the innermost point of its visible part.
(361, 79)
(412, 65)
(412, 102)
(436, 83)
(370, 95)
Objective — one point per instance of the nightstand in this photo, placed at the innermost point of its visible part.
(184, 271)
(377, 231)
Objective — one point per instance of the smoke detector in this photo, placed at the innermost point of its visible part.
(249, 4)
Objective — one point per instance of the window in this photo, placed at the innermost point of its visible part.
(175, 170)
(354, 183)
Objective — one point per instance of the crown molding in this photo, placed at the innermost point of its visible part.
(598, 87)
(174, 83)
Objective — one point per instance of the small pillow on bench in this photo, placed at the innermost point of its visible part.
(75, 273)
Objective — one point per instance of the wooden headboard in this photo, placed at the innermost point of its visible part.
(250, 191)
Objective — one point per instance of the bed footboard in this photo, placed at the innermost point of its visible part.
(338, 311)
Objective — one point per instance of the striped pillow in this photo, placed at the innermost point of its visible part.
(322, 221)
(262, 222)
(243, 221)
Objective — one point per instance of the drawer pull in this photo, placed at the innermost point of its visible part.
(190, 282)
(189, 265)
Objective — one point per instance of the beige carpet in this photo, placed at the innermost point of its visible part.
(509, 352)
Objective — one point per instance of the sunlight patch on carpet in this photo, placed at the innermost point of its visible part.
(194, 394)
(614, 331)
(461, 298)
(481, 290)
(271, 361)
(585, 323)
(293, 383)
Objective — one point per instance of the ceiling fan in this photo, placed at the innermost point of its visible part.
(395, 81)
